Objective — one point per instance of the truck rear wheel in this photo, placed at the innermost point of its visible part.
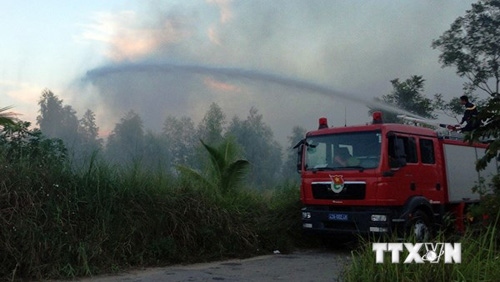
(420, 227)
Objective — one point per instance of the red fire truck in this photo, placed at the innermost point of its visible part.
(382, 178)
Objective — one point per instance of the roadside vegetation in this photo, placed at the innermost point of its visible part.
(59, 222)
(73, 204)
(480, 260)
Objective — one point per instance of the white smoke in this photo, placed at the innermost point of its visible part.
(273, 55)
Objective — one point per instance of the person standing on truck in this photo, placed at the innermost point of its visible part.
(470, 115)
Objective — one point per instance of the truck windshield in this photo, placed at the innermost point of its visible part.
(353, 150)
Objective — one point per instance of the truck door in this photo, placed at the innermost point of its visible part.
(404, 164)
(431, 183)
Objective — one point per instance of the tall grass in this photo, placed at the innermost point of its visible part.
(480, 261)
(58, 223)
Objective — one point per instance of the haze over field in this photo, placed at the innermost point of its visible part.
(353, 48)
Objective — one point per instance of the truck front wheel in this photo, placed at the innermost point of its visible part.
(420, 226)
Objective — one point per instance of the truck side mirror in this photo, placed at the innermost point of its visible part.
(299, 157)
(300, 147)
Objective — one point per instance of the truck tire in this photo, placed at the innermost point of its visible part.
(420, 227)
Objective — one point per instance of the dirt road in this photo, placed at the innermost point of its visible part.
(307, 265)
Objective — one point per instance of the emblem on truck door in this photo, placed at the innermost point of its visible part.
(337, 183)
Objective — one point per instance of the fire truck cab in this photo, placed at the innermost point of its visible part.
(390, 177)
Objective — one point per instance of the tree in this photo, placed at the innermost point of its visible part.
(57, 120)
(453, 108)
(472, 45)
(126, 142)
(88, 128)
(80, 136)
(51, 108)
(88, 133)
(211, 128)
(24, 146)
(156, 154)
(259, 148)
(407, 95)
(180, 137)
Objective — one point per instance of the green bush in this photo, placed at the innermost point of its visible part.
(61, 223)
(489, 205)
(480, 260)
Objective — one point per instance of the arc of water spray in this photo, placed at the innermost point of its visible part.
(239, 73)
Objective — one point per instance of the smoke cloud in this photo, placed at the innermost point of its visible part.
(276, 56)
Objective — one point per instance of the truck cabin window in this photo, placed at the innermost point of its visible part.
(354, 150)
(402, 150)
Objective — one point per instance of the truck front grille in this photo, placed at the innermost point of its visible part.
(351, 191)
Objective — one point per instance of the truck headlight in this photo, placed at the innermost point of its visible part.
(306, 215)
(379, 217)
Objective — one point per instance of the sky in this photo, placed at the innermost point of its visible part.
(292, 60)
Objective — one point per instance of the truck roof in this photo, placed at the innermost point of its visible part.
(403, 128)
(445, 135)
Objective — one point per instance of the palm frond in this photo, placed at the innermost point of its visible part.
(230, 149)
(6, 118)
(194, 175)
(5, 109)
(223, 175)
(234, 174)
(216, 158)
